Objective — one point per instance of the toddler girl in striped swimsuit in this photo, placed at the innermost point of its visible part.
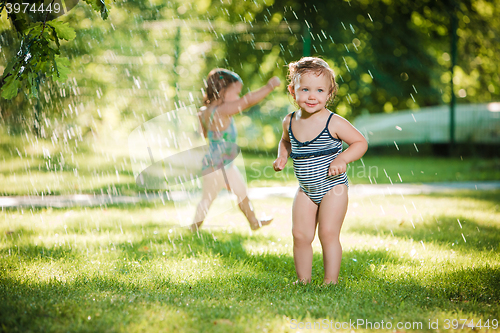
(312, 137)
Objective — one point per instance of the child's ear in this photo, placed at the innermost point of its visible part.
(330, 95)
(291, 90)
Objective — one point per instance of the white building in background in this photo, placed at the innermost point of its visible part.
(474, 123)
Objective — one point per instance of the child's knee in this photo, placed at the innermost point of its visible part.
(328, 235)
(301, 236)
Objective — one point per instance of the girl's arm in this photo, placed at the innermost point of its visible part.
(248, 100)
(356, 141)
(284, 147)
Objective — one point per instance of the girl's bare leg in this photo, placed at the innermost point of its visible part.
(303, 230)
(331, 215)
(212, 184)
(238, 187)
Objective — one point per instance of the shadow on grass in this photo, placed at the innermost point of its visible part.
(248, 285)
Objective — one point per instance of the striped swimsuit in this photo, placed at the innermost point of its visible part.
(311, 160)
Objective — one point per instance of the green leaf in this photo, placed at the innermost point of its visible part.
(63, 30)
(61, 68)
(54, 35)
(33, 85)
(62, 61)
(94, 4)
(104, 9)
(10, 87)
(10, 66)
(99, 6)
(18, 21)
(34, 29)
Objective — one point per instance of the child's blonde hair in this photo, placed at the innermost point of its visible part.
(316, 66)
(217, 82)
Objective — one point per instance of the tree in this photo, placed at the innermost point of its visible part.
(38, 56)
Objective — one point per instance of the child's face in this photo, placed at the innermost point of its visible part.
(311, 92)
(233, 92)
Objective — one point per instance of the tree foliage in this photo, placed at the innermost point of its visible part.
(38, 57)
(388, 55)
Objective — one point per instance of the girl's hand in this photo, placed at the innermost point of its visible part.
(279, 163)
(274, 82)
(337, 167)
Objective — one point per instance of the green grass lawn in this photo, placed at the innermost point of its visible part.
(384, 170)
(133, 269)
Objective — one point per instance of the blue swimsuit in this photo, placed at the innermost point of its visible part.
(311, 160)
(222, 146)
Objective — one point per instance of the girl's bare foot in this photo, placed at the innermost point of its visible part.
(302, 282)
(261, 223)
(329, 282)
(195, 226)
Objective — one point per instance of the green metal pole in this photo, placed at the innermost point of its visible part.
(306, 52)
(454, 24)
(177, 48)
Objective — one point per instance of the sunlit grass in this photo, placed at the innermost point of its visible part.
(384, 170)
(103, 166)
(36, 167)
(133, 268)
